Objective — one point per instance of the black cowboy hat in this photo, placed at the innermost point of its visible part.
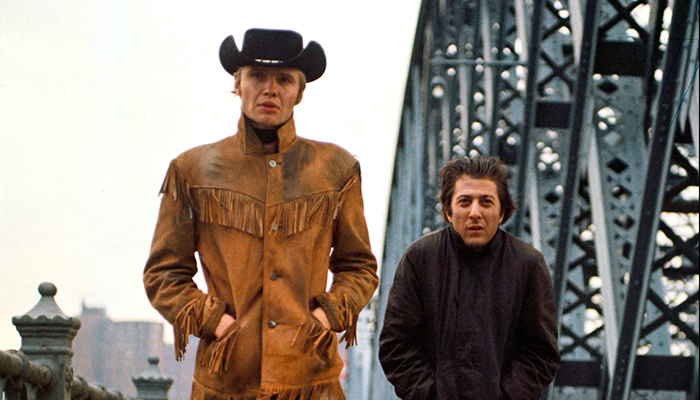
(274, 48)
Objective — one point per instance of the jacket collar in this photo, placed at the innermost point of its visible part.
(462, 248)
(250, 142)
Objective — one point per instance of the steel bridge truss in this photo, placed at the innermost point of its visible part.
(593, 105)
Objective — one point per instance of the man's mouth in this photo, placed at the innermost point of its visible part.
(268, 105)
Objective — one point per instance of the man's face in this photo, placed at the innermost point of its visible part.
(476, 211)
(268, 95)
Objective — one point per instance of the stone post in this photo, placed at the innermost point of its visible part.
(151, 384)
(47, 339)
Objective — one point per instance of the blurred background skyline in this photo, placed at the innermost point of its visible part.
(96, 98)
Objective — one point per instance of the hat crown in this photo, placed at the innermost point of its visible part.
(272, 45)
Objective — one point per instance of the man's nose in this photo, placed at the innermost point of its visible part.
(270, 85)
(474, 211)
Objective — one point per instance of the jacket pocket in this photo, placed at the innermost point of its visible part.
(219, 352)
(312, 336)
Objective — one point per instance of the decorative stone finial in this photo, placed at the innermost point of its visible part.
(46, 325)
(47, 335)
(151, 384)
(46, 307)
(47, 289)
(152, 372)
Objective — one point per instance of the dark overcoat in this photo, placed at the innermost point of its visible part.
(462, 324)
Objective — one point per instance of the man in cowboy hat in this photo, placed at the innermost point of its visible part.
(269, 214)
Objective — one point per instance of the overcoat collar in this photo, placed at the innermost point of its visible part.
(250, 142)
(469, 254)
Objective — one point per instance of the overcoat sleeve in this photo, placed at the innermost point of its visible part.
(536, 354)
(171, 265)
(402, 344)
(352, 262)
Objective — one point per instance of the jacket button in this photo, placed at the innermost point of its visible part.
(271, 323)
(273, 276)
(272, 163)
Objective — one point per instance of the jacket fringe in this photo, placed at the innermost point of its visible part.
(220, 353)
(185, 324)
(322, 391)
(342, 312)
(300, 214)
(350, 183)
(247, 214)
(315, 337)
(351, 313)
(229, 208)
(180, 187)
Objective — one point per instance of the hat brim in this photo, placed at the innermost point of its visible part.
(311, 61)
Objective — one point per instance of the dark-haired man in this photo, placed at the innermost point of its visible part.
(471, 311)
(269, 214)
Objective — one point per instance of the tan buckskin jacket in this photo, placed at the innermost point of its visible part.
(267, 229)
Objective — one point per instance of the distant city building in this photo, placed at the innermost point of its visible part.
(110, 353)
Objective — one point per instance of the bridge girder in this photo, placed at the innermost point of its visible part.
(593, 104)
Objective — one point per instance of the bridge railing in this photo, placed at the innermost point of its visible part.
(42, 369)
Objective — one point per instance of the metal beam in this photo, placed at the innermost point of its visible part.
(569, 98)
(652, 198)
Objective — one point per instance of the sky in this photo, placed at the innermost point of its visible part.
(97, 97)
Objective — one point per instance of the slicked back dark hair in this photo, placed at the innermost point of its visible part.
(491, 168)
